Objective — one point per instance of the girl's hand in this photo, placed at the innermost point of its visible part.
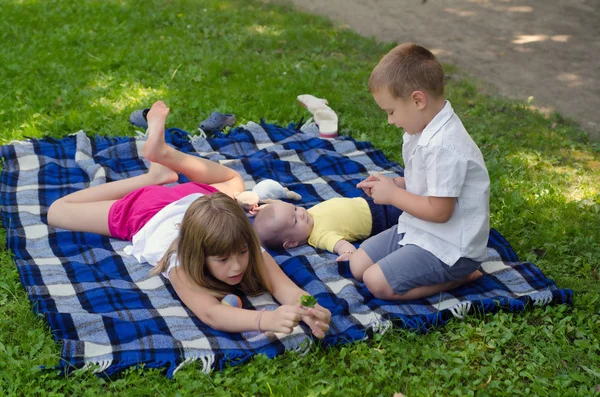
(283, 319)
(318, 319)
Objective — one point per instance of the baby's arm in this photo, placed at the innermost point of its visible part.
(232, 319)
(288, 293)
(344, 249)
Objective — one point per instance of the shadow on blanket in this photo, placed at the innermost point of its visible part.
(109, 314)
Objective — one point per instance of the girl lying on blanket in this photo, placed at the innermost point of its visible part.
(194, 233)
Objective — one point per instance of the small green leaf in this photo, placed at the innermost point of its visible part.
(308, 301)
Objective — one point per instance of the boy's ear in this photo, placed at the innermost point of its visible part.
(290, 244)
(419, 98)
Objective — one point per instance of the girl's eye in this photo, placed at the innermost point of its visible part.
(222, 259)
(244, 251)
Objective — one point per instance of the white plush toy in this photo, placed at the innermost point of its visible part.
(265, 191)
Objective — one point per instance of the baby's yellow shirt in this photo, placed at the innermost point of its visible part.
(338, 219)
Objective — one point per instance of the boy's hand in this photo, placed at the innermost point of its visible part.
(400, 182)
(318, 319)
(365, 189)
(381, 190)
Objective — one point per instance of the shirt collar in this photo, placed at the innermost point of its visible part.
(436, 124)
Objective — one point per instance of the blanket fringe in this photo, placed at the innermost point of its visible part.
(542, 301)
(96, 366)
(139, 134)
(380, 327)
(460, 310)
(207, 363)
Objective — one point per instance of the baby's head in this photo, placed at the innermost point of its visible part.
(214, 230)
(408, 83)
(283, 225)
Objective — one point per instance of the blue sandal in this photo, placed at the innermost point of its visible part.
(217, 122)
(138, 118)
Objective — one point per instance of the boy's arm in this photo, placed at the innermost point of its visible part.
(428, 208)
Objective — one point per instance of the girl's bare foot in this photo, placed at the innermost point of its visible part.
(160, 175)
(155, 147)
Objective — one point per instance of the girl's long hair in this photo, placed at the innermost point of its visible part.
(215, 225)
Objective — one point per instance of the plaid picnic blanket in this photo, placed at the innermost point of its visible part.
(109, 313)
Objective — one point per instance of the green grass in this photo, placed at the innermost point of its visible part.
(71, 65)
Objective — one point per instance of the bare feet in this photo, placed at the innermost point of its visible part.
(474, 276)
(160, 175)
(469, 279)
(155, 146)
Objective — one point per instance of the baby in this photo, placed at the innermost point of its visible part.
(331, 225)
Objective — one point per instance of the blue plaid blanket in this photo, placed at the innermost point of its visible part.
(108, 313)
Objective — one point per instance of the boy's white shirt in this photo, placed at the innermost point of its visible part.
(443, 161)
(151, 242)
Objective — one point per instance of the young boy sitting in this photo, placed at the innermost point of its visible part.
(331, 225)
(440, 239)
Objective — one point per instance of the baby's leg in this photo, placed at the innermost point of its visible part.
(194, 168)
(87, 210)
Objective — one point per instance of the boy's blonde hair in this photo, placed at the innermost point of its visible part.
(408, 68)
(215, 225)
(266, 230)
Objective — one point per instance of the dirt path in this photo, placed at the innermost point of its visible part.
(548, 49)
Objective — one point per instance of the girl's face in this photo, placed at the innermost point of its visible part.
(230, 268)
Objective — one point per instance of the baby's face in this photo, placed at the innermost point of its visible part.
(295, 223)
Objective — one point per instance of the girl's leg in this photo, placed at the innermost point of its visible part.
(194, 168)
(87, 210)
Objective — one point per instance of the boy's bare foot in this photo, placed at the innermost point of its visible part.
(476, 275)
(154, 147)
(160, 175)
(469, 279)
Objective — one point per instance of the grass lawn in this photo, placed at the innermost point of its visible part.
(70, 65)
